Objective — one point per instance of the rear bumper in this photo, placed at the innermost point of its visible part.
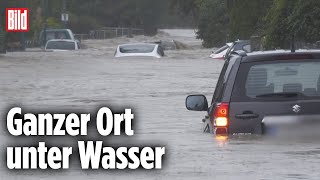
(251, 126)
(294, 125)
(220, 130)
(301, 125)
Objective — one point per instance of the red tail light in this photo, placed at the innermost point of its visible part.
(220, 118)
(221, 110)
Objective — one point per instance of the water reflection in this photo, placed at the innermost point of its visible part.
(221, 140)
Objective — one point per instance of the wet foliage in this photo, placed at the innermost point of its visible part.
(275, 21)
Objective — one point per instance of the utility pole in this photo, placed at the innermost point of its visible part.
(64, 13)
(22, 36)
(44, 13)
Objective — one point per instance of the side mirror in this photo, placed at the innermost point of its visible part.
(197, 103)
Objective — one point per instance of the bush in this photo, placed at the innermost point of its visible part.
(213, 22)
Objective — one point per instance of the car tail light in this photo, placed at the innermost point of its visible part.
(220, 115)
(221, 122)
(220, 118)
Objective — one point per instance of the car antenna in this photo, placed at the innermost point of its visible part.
(293, 48)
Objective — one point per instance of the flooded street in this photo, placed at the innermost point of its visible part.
(156, 90)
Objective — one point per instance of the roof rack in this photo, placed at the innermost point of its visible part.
(240, 53)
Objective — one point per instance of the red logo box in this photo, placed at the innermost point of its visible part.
(17, 19)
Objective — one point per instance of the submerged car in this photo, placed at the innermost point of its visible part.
(263, 92)
(239, 45)
(57, 34)
(167, 45)
(224, 51)
(221, 52)
(139, 50)
(62, 45)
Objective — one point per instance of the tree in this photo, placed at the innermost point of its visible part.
(245, 17)
(88, 15)
(212, 23)
(220, 21)
(146, 14)
(187, 7)
(304, 21)
(277, 31)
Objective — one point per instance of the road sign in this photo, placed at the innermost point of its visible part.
(64, 17)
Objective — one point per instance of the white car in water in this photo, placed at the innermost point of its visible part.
(139, 50)
(62, 45)
(221, 52)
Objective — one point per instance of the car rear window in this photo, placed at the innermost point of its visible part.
(277, 80)
(145, 48)
(61, 45)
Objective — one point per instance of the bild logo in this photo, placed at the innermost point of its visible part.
(17, 19)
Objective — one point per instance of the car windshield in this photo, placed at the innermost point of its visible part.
(139, 48)
(51, 34)
(279, 80)
(61, 45)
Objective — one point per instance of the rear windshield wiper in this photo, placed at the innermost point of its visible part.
(281, 95)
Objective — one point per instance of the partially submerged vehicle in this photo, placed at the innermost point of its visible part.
(62, 45)
(240, 45)
(57, 34)
(139, 50)
(271, 92)
(167, 45)
(221, 52)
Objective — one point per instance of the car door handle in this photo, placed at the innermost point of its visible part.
(247, 116)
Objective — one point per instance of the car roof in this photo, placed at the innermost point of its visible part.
(130, 44)
(241, 41)
(278, 55)
(279, 51)
(66, 40)
(58, 30)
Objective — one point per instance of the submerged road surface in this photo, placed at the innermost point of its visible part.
(156, 90)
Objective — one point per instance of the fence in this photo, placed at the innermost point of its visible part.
(110, 32)
(32, 43)
(103, 33)
(81, 36)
